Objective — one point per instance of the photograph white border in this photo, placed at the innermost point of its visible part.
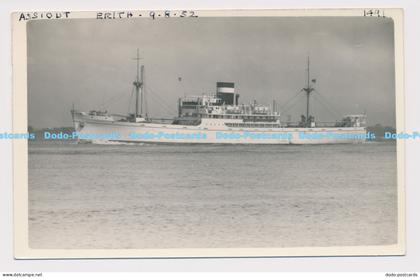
(20, 155)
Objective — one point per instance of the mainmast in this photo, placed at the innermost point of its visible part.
(138, 84)
(142, 98)
(308, 91)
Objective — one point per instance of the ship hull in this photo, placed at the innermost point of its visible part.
(100, 131)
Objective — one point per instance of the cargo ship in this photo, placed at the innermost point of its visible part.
(217, 118)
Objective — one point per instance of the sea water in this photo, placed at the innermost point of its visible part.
(190, 196)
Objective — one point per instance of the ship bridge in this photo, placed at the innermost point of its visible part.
(224, 105)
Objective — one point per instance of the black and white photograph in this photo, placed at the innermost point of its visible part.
(210, 132)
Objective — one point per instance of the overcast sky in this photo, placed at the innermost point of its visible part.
(89, 63)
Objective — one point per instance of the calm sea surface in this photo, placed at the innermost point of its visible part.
(175, 196)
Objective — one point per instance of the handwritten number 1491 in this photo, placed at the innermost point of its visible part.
(372, 12)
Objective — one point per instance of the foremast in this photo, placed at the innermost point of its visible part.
(139, 86)
(308, 89)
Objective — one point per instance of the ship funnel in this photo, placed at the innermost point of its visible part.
(226, 92)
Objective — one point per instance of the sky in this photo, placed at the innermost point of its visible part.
(89, 63)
